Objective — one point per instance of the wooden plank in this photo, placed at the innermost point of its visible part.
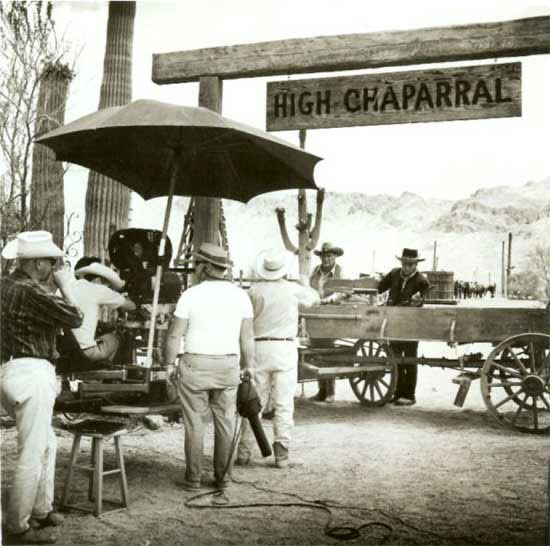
(515, 38)
(425, 324)
(458, 93)
(141, 410)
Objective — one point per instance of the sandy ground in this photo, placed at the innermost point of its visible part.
(436, 474)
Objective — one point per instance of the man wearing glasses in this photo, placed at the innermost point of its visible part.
(30, 319)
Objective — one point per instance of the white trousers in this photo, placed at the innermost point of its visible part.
(27, 393)
(276, 373)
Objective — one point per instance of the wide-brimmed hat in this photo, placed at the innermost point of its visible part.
(272, 264)
(410, 255)
(32, 244)
(102, 271)
(328, 248)
(209, 252)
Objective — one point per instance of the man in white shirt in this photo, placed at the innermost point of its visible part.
(275, 301)
(97, 285)
(215, 319)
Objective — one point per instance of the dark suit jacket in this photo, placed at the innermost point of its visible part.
(399, 295)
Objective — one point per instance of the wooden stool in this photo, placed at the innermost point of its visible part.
(99, 431)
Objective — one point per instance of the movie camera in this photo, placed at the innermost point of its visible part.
(129, 379)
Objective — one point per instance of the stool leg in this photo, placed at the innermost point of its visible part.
(122, 476)
(74, 455)
(91, 481)
(98, 477)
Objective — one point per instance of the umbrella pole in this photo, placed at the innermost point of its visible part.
(158, 277)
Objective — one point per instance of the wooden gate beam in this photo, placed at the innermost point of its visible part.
(516, 38)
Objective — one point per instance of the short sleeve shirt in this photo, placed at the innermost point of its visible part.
(215, 311)
(89, 297)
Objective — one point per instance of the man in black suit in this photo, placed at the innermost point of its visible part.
(407, 288)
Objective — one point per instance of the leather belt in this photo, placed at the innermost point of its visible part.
(274, 339)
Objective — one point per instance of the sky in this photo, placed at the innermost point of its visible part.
(447, 160)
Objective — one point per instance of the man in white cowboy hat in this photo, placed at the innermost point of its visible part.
(98, 285)
(30, 319)
(326, 270)
(215, 319)
(407, 287)
(275, 301)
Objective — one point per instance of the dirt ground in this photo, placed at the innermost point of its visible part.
(434, 473)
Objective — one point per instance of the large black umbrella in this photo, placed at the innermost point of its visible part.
(145, 143)
(160, 149)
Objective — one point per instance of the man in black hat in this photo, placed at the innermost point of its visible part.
(407, 288)
(327, 269)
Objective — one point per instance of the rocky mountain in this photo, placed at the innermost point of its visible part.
(374, 228)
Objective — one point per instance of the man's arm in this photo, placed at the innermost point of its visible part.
(246, 341)
(177, 330)
(385, 283)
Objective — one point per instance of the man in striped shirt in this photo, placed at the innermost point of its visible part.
(31, 317)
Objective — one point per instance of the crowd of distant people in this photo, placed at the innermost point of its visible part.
(473, 289)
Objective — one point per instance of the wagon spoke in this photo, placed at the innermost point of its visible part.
(378, 350)
(380, 393)
(517, 360)
(383, 383)
(507, 370)
(370, 348)
(371, 389)
(532, 357)
(546, 403)
(535, 413)
(518, 411)
(364, 389)
(504, 384)
(507, 399)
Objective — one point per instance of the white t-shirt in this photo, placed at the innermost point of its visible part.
(215, 310)
(89, 297)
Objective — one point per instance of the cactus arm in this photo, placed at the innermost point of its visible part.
(284, 233)
(316, 231)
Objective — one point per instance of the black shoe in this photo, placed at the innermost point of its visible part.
(268, 414)
(319, 397)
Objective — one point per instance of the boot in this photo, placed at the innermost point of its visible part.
(281, 455)
(322, 394)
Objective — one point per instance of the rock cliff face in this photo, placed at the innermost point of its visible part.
(372, 229)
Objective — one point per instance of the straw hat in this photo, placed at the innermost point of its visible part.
(102, 271)
(214, 254)
(32, 244)
(272, 264)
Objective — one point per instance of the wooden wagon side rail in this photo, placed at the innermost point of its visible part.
(451, 324)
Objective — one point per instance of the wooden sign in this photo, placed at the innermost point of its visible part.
(458, 93)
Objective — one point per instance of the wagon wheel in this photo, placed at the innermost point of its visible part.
(515, 383)
(374, 388)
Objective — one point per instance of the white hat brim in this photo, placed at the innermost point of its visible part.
(267, 274)
(46, 249)
(101, 271)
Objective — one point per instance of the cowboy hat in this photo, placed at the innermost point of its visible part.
(410, 255)
(32, 244)
(102, 271)
(214, 254)
(272, 264)
(327, 248)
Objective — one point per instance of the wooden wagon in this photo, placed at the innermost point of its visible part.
(515, 377)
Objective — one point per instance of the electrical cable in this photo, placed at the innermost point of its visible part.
(220, 501)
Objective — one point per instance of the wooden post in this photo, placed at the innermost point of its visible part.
(207, 210)
(510, 267)
(434, 265)
(304, 255)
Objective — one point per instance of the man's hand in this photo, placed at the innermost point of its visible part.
(172, 373)
(416, 300)
(248, 372)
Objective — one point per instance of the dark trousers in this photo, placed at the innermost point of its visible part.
(326, 386)
(406, 373)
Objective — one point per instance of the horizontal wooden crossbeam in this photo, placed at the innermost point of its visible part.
(516, 38)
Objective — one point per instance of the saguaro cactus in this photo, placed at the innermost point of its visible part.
(47, 194)
(107, 201)
(307, 237)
